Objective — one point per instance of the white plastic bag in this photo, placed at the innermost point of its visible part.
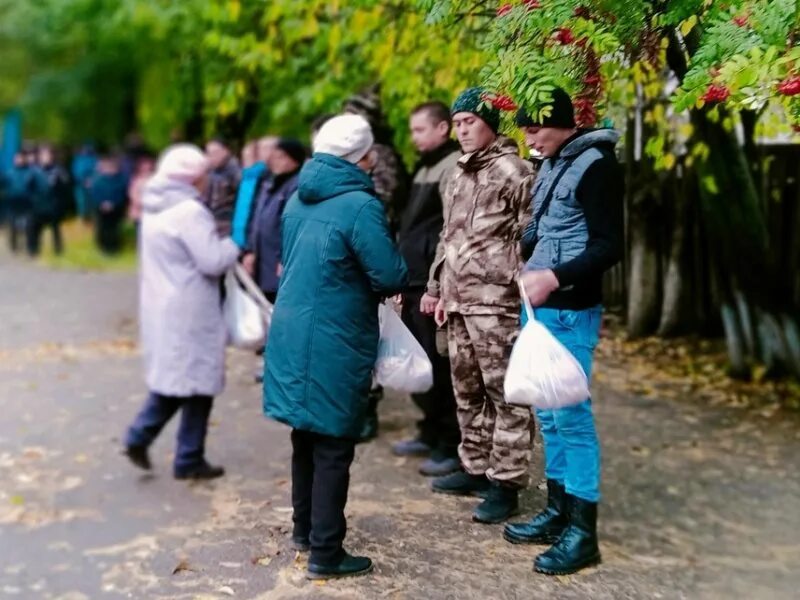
(246, 311)
(542, 373)
(402, 364)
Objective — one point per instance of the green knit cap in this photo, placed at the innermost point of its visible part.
(474, 100)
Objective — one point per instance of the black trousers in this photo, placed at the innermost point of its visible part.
(18, 228)
(320, 481)
(36, 226)
(156, 413)
(108, 231)
(439, 425)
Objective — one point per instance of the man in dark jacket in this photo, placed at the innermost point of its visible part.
(19, 198)
(223, 182)
(50, 198)
(339, 260)
(264, 243)
(575, 236)
(109, 196)
(420, 226)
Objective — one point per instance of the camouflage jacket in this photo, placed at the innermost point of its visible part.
(486, 207)
(391, 183)
(220, 196)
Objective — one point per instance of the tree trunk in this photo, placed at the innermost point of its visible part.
(644, 294)
(737, 352)
(736, 226)
(644, 286)
(676, 317)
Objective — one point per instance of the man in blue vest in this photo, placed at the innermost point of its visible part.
(576, 234)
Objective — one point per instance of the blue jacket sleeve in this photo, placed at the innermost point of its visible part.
(376, 252)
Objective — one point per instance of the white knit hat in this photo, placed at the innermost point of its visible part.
(182, 162)
(346, 136)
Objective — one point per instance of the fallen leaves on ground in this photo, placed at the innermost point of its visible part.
(685, 368)
(183, 565)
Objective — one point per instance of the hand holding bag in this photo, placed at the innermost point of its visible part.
(247, 313)
(402, 363)
(542, 373)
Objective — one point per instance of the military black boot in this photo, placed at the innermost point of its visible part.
(501, 502)
(547, 526)
(577, 547)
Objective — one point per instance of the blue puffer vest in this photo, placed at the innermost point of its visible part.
(561, 233)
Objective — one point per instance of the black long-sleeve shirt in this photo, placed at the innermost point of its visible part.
(600, 192)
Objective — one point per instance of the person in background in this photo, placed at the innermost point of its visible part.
(249, 155)
(473, 288)
(263, 260)
(317, 124)
(133, 149)
(145, 167)
(252, 174)
(339, 261)
(50, 199)
(391, 184)
(108, 194)
(420, 226)
(83, 167)
(19, 193)
(223, 182)
(389, 174)
(182, 259)
(576, 235)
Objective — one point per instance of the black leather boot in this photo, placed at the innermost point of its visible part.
(501, 502)
(547, 526)
(577, 547)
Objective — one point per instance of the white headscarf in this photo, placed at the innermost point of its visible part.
(184, 163)
(346, 136)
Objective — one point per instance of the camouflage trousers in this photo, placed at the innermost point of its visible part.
(496, 438)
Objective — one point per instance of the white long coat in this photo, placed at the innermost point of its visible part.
(181, 260)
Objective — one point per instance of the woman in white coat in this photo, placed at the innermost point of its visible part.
(182, 331)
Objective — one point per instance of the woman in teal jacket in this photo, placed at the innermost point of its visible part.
(339, 262)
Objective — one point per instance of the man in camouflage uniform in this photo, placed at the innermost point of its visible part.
(474, 288)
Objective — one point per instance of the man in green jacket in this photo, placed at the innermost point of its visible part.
(339, 261)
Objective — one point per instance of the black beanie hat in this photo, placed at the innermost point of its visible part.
(294, 148)
(562, 114)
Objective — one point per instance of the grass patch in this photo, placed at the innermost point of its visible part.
(81, 252)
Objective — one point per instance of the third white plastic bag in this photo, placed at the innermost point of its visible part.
(246, 312)
(542, 373)
(402, 364)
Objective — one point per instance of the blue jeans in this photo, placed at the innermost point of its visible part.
(157, 412)
(571, 447)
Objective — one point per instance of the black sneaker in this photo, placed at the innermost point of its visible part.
(350, 566)
(202, 471)
(461, 483)
(138, 456)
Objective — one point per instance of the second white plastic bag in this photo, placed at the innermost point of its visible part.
(246, 311)
(402, 364)
(542, 373)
